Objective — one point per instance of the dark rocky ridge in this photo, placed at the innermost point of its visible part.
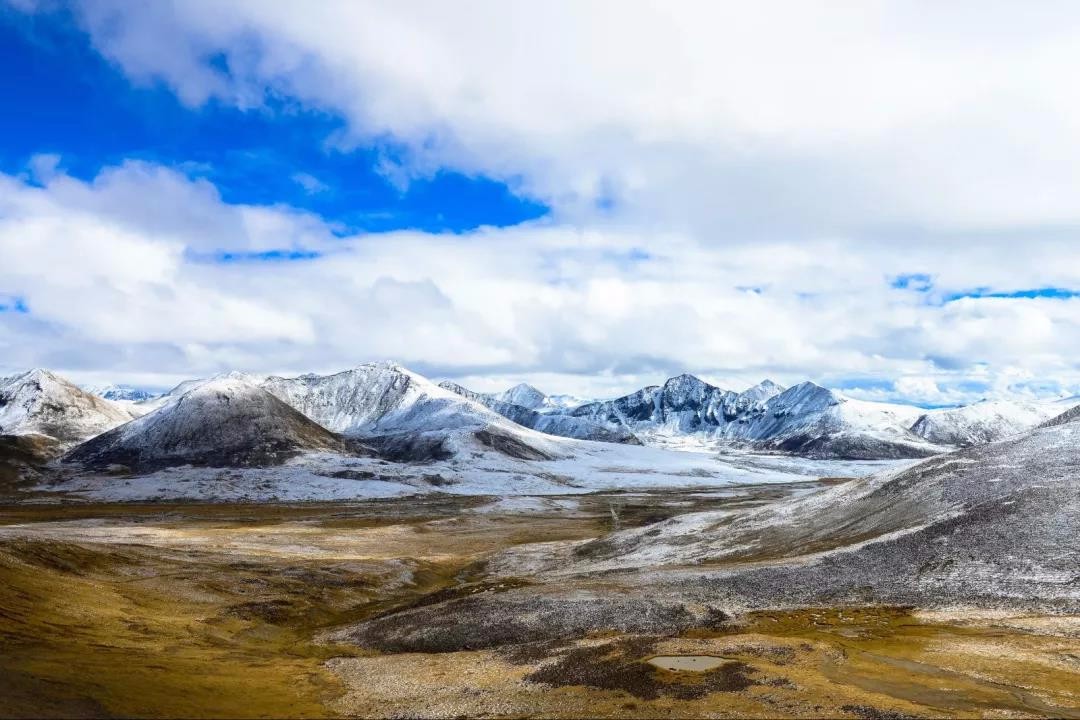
(222, 423)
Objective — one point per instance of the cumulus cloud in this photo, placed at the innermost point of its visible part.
(599, 310)
(735, 191)
(730, 118)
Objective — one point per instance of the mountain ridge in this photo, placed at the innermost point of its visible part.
(40, 402)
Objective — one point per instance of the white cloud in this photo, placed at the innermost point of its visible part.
(730, 118)
(311, 184)
(769, 168)
(594, 311)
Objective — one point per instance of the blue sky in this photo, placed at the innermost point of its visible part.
(879, 198)
(82, 108)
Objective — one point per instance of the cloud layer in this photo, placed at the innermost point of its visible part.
(858, 193)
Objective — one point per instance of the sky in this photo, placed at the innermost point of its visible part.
(589, 196)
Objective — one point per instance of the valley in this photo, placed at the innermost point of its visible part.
(233, 610)
(369, 543)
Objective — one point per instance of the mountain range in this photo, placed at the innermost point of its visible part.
(386, 410)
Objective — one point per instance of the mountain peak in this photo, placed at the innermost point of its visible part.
(223, 422)
(39, 375)
(685, 379)
(525, 395)
(523, 387)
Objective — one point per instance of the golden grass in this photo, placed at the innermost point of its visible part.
(218, 611)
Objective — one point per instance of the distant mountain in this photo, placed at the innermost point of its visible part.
(985, 421)
(524, 395)
(529, 397)
(218, 423)
(121, 393)
(806, 419)
(683, 404)
(42, 402)
(551, 424)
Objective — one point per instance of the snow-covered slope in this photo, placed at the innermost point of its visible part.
(549, 423)
(991, 524)
(142, 407)
(219, 423)
(406, 416)
(806, 419)
(985, 421)
(1070, 415)
(42, 402)
(989, 527)
(378, 399)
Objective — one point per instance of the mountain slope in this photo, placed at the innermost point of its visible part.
(44, 403)
(1071, 415)
(991, 525)
(810, 420)
(220, 423)
(983, 422)
(548, 423)
(377, 399)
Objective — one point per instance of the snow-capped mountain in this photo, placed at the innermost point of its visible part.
(44, 403)
(683, 404)
(524, 395)
(406, 416)
(121, 393)
(378, 399)
(806, 419)
(810, 420)
(549, 423)
(529, 397)
(218, 423)
(986, 421)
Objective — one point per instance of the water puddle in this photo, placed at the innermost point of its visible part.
(687, 663)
